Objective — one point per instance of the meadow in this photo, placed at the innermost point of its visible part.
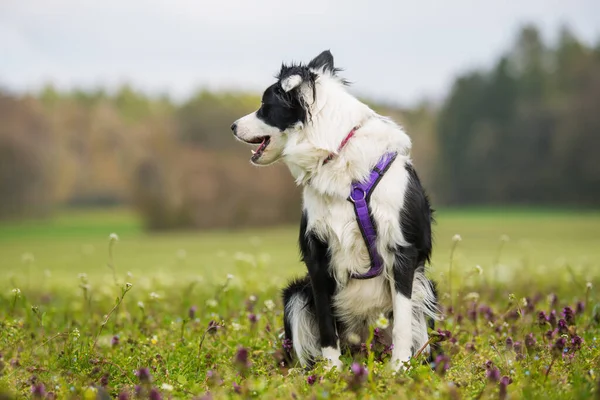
(93, 306)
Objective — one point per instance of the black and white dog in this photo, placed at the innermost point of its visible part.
(365, 233)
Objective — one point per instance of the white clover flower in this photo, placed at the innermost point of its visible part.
(252, 298)
(456, 238)
(479, 269)
(140, 305)
(524, 302)
(229, 277)
(473, 296)
(154, 296)
(235, 326)
(16, 292)
(128, 285)
(382, 322)
(589, 285)
(113, 237)
(75, 333)
(27, 258)
(212, 303)
(166, 387)
(269, 304)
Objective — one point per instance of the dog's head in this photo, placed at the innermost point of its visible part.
(286, 107)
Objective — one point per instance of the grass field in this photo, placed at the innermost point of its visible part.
(198, 313)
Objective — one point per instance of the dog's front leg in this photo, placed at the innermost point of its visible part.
(402, 333)
(316, 256)
(323, 288)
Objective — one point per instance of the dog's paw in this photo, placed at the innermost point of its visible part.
(399, 362)
(332, 358)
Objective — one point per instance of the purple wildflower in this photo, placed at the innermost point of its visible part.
(38, 390)
(143, 375)
(287, 344)
(513, 315)
(504, 382)
(252, 318)
(114, 341)
(137, 390)
(123, 396)
(192, 312)
(470, 346)
(213, 326)
(580, 308)
(358, 377)
(377, 333)
(569, 315)
(509, 343)
(558, 347)
(530, 341)
(51, 396)
(241, 358)
(576, 341)
(472, 314)
(493, 375)
(542, 318)
(311, 380)
(552, 319)
(518, 346)
(104, 380)
(155, 394)
(442, 364)
(443, 335)
(550, 334)
(237, 388)
(562, 327)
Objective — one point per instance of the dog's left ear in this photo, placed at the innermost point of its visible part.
(323, 61)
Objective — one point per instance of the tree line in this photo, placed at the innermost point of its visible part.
(521, 132)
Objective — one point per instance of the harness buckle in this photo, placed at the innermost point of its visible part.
(357, 194)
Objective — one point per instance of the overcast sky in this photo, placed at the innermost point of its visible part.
(393, 50)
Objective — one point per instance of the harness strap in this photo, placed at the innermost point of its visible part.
(360, 194)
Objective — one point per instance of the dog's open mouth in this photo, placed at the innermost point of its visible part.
(264, 142)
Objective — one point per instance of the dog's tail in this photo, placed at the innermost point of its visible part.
(299, 321)
(425, 309)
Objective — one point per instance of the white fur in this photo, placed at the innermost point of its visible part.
(291, 82)
(304, 330)
(402, 331)
(332, 355)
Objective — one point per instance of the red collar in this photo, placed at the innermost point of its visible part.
(341, 146)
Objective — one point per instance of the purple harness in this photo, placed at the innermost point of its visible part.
(360, 195)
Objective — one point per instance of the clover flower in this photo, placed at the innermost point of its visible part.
(311, 380)
(382, 322)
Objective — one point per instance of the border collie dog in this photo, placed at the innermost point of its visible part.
(365, 233)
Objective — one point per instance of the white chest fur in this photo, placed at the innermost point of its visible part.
(333, 219)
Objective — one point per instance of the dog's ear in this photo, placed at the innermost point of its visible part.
(323, 61)
(291, 82)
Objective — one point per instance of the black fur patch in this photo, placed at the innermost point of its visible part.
(281, 109)
(315, 254)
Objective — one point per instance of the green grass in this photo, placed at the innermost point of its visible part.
(52, 333)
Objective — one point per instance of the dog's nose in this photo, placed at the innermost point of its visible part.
(233, 127)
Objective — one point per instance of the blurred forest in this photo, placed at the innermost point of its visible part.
(525, 131)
